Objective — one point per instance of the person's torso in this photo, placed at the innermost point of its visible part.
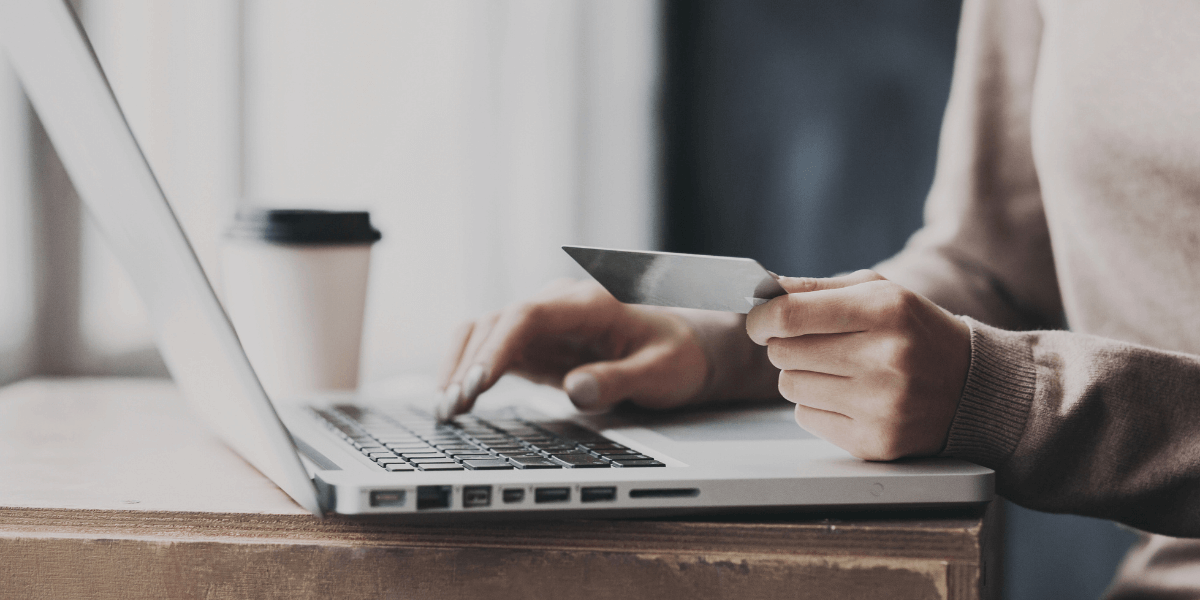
(1116, 140)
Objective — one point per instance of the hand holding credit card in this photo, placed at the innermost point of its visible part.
(679, 280)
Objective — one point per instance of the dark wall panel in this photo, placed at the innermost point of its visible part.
(802, 133)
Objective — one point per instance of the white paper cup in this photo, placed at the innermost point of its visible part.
(295, 287)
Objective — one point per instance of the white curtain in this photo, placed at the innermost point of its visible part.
(480, 135)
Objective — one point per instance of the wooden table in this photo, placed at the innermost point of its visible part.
(109, 489)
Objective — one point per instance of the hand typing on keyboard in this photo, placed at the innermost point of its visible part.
(576, 336)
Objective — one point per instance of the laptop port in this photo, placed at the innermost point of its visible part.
(555, 494)
(387, 498)
(433, 496)
(598, 494)
(514, 495)
(665, 493)
(477, 496)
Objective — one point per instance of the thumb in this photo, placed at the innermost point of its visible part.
(796, 285)
(655, 376)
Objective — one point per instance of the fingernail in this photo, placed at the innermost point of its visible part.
(449, 404)
(471, 382)
(583, 389)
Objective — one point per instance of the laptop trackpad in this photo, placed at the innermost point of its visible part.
(765, 421)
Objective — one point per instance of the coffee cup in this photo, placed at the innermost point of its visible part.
(295, 288)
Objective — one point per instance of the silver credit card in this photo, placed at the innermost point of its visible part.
(679, 280)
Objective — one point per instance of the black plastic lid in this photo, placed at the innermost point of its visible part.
(306, 227)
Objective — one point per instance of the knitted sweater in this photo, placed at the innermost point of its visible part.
(1068, 192)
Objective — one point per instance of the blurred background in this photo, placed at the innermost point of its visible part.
(484, 135)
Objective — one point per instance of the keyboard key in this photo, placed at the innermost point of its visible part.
(429, 454)
(576, 461)
(404, 442)
(370, 449)
(537, 439)
(458, 447)
(471, 456)
(533, 463)
(379, 455)
(441, 467)
(625, 452)
(628, 457)
(398, 467)
(487, 465)
(522, 455)
(480, 432)
(383, 462)
(525, 432)
(504, 449)
(494, 440)
(638, 463)
(430, 461)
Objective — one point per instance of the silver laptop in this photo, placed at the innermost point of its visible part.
(360, 455)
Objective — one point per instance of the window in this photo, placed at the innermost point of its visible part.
(481, 136)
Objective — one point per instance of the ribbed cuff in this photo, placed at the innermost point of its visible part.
(996, 399)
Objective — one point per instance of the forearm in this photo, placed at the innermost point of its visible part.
(1080, 424)
(738, 369)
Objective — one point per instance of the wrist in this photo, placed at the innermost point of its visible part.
(991, 414)
(738, 368)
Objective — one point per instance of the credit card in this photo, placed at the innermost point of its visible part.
(679, 280)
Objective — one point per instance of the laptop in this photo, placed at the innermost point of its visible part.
(360, 455)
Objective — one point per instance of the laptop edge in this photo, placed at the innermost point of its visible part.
(63, 79)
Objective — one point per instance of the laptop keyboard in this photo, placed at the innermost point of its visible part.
(417, 442)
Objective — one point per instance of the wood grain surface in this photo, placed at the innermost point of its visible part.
(109, 490)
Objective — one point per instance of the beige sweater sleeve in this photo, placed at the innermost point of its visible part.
(985, 250)
(1071, 423)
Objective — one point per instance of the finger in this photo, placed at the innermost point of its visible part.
(831, 427)
(458, 345)
(455, 397)
(821, 391)
(479, 334)
(841, 354)
(799, 285)
(656, 376)
(582, 308)
(840, 310)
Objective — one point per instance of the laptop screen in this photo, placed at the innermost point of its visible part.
(62, 77)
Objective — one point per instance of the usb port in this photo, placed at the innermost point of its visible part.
(387, 498)
(477, 496)
(433, 496)
(514, 495)
(558, 494)
(598, 494)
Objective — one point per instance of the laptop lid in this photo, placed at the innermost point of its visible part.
(55, 62)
